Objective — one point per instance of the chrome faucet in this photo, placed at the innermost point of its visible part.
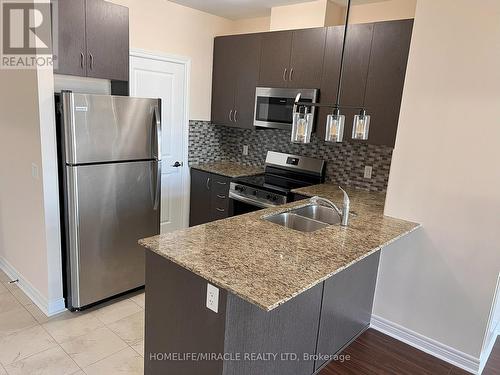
(344, 213)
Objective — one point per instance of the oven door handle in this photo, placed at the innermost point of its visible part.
(253, 202)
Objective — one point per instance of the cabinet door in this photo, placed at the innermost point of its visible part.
(247, 64)
(356, 62)
(306, 62)
(199, 212)
(330, 77)
(223, 80)
(107, 40)
(71, 57)
(275, 59)
(347, 306)
(219, 197)
(384, 90)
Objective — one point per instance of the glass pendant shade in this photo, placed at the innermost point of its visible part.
(335, 127)
(302, 127)
(361, 126)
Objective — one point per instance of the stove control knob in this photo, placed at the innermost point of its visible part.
(274, 198)
(254, 192)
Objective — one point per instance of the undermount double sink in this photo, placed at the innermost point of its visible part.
(307, 218)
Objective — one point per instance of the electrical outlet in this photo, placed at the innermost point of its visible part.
(245, 150)
(368, 171)
(34, 171)
(212, 298)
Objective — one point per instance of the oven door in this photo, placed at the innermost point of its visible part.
(241, 204)
(274, 106)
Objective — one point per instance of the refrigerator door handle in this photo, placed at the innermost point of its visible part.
(157, 185)
(157, 129)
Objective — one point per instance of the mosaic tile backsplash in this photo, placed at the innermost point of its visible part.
(345, 161)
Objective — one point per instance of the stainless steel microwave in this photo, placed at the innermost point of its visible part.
(274, 106)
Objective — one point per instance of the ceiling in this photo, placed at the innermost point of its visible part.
(240, 9)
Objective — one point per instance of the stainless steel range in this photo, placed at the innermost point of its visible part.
(283, 172)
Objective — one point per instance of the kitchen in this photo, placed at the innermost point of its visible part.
(414, 162)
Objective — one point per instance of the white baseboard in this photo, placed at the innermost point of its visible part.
(426, 344)
(48, 307)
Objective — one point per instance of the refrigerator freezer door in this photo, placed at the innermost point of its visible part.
(110, 207)
(104, 128)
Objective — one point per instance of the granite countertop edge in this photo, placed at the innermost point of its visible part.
(255, 302)
(185, 253)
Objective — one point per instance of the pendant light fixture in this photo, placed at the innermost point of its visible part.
(335, 121)
(302, 123)
(361, 126)
(303, 118)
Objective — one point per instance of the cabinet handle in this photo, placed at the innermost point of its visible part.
(235, 118)
(208, 183)
(219, 209)
(291, 75)
(91, 65)
(230, 114)
(221, 183)
(284, 74)
(82, 57)
(221, 196)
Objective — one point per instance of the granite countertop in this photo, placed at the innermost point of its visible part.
(229, 169)
(267, 264)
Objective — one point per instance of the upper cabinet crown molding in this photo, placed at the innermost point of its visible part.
(93, 39)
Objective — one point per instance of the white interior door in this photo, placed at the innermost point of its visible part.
(154, 76)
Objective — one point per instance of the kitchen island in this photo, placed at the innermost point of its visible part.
(288, 301)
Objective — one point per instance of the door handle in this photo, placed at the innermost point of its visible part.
(284, 74)
(208, 183)
(219, 209)
(157, 130)
(158, 186)
(291, 75)
(91, 63)
(235, 118)
(178, 164)
(230, 114)
(82, 57)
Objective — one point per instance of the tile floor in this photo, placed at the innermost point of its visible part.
(108, 339)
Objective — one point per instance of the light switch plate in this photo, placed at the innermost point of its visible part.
(245, 150)
(368, 171)
(212, 298)
(34, 171)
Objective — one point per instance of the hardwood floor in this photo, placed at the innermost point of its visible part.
(375, 353)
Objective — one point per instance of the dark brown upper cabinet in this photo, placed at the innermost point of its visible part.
(355, 72)
(235, 75)
(93, 39)
(374, 70)
(107, 40)
(386, 76)
(71, 57)
(292, 58)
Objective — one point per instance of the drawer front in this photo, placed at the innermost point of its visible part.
(219, 199)
(220, 185)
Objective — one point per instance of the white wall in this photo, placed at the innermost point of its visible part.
(440, 281)
(299, 16)
(385, 10)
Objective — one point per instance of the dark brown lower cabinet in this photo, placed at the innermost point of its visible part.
(323, 319)
(209, 197)
(199, 210)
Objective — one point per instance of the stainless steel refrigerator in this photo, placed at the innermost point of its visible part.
(110, 177)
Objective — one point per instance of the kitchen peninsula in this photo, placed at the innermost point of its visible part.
(300, 296)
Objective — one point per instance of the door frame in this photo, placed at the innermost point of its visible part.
(186, 62)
